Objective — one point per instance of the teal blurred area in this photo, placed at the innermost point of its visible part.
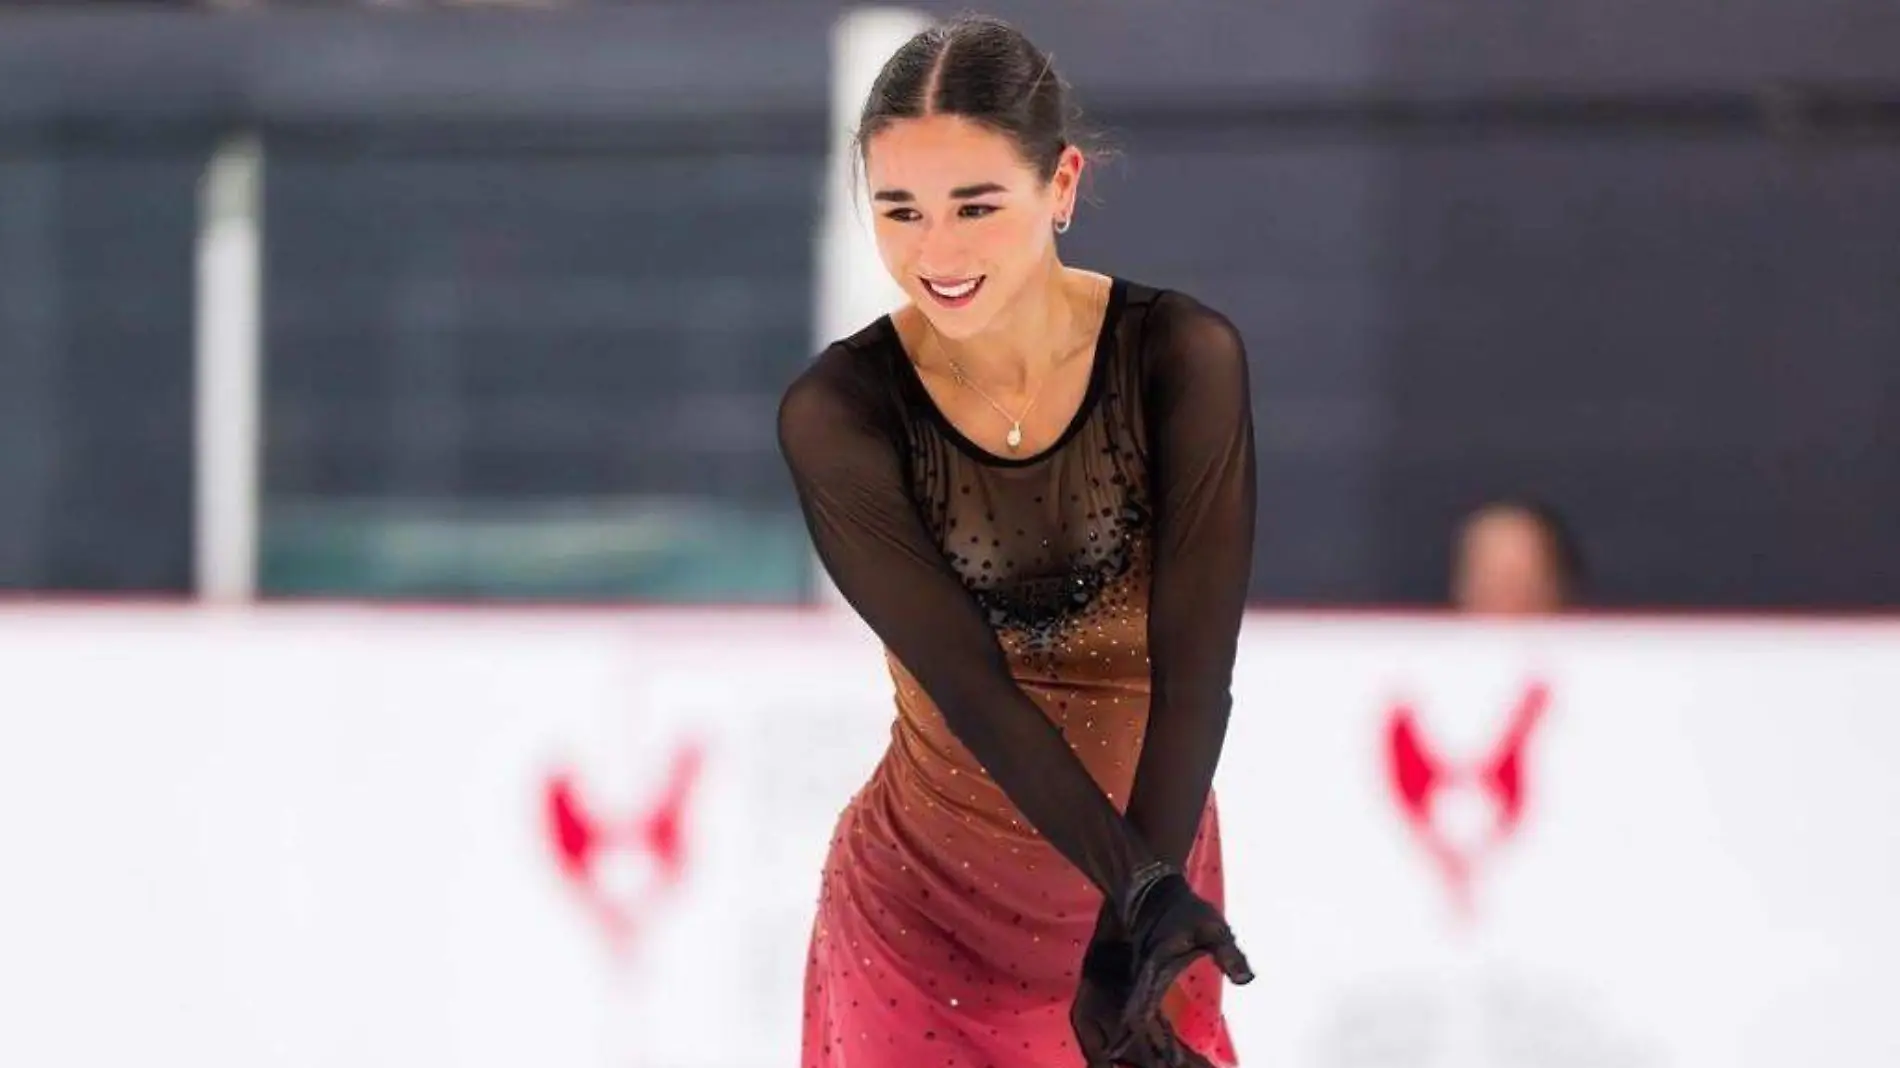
(687, 551)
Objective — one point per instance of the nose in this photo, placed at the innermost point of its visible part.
(942, 252)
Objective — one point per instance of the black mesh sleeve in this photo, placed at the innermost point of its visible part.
(1200, 433)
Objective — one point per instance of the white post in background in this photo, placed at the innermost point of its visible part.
(229, 338)
(853, 287)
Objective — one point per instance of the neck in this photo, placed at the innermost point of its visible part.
(1026, 339)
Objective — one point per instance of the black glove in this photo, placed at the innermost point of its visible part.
(1101, 1031)
(1169, 927)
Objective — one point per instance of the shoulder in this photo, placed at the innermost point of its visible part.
(844, 391)
(1181, 335)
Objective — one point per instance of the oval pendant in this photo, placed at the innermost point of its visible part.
(1015, 436)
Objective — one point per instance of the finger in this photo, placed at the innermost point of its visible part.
(1123, 1050)
(1151, 985)
(1233, 962)
(1144, 999)
(1172, 1051)
(1168, 1049)
(1097, 1050)
(1143, 1053)
(1135, 1011)
(1191, 1058)
(1137, 1050)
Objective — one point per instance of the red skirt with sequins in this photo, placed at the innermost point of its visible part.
(946, 942)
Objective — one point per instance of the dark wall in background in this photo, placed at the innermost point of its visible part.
(1641, 259)
(95, 369)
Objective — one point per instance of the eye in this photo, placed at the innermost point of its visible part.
(976, 211)
(903, 215)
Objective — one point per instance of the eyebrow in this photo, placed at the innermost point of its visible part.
(962, 192)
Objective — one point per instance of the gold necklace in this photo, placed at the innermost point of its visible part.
(1013, 439)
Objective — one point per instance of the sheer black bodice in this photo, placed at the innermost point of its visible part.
(969, 566)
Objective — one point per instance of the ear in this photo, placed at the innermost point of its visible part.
(1066, 182)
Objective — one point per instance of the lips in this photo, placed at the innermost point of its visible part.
(953, 292)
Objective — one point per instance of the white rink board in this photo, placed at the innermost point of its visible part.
(319, 837)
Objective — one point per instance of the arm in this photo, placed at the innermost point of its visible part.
(1202, 478)
(873, 544)
(1200, 440)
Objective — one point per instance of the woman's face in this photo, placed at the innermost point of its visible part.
(1505, 567)
(963, 222)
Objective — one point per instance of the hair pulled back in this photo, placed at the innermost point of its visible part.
(984, 70)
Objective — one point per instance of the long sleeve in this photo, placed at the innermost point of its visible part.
(1201, 474)
(842, 450)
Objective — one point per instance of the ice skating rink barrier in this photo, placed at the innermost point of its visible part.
(334, 835)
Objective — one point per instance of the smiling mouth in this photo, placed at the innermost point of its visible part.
(954, 292)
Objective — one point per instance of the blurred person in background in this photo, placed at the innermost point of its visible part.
(1036, 484)
(1515, 557)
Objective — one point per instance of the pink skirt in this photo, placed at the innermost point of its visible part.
(944, 941)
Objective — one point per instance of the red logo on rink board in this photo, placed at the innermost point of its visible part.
(1423, 779)
(585, 839)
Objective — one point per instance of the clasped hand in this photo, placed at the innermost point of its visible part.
(1127, 971)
